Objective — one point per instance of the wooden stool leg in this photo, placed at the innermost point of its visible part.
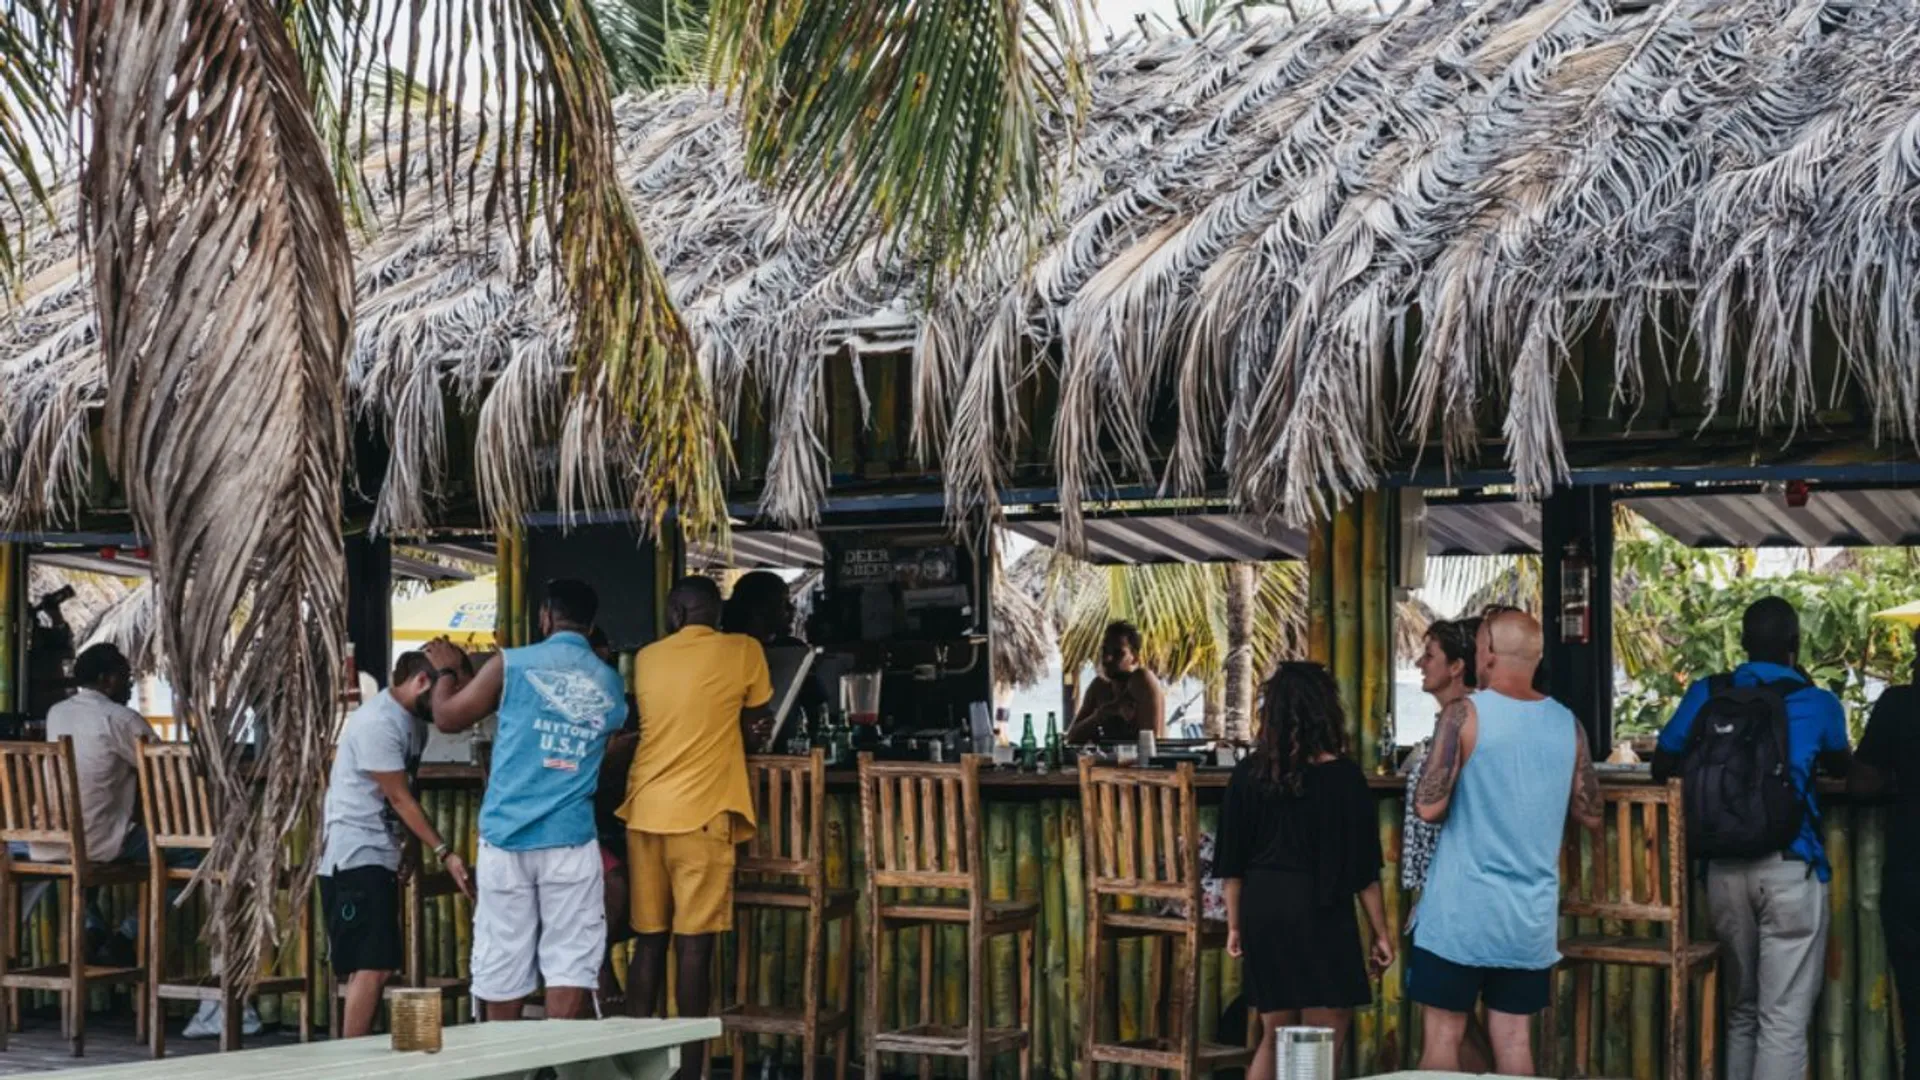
(845, 1004)
(143, 928)
(77, 967)
(810, 994)
(1679, 1016)
(1582, 1019)
(1710, 1024)
(305, 954)
(1026, 1003)
(926, 995)
(230, 1009)
(12, 935)
(872, 1018)
(157, 960)
(977, 1066)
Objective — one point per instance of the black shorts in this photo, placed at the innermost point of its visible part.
(362, 908)
(1442, 984)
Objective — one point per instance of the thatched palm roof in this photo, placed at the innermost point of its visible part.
(1260, 220)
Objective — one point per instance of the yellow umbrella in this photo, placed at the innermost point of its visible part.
(464, 614)
(1908, 613)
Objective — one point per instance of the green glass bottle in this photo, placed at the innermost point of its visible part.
(1029, 749)
(1056, 755)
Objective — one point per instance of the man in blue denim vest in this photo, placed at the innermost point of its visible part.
(540, 916)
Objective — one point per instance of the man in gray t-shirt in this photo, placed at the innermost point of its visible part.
(370, 801)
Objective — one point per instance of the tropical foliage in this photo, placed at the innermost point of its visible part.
(1677, 618)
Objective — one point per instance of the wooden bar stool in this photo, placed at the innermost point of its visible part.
(1142, 829)
(784, 869)
(921, 823)
(179, 810)
(40, 803)
(1633, 882)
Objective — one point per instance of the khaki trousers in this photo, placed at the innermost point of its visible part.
(1770, 915)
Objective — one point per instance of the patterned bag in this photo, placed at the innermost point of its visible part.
(1417, 838)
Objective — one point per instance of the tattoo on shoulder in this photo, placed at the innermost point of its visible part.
(1443, 760)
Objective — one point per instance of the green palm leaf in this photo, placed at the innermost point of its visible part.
(921, 122)
(33, 54)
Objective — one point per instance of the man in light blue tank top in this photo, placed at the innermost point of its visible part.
(541, 913)
(1508, 766)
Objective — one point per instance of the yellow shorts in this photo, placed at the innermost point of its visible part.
(682, 881)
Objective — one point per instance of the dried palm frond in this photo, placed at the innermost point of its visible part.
(1022, 636)
(224, 284)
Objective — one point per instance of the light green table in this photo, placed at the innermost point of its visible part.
(618, 1049)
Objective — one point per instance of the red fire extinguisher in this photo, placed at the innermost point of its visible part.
(351, 696)
(1576, 597)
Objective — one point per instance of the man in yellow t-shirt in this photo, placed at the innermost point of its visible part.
(702, 695)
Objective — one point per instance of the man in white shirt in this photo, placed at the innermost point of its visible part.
(106, 756)
(106, 738)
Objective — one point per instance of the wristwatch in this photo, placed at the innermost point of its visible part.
(441, 851)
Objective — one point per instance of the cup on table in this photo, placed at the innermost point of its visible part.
(416, 1019)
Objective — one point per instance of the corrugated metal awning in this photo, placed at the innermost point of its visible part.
(1499, 527)
(1176, 538)
(760, 549)
(1831, 518)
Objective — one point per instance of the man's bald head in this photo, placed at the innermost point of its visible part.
(1508, 652)
(693, 601)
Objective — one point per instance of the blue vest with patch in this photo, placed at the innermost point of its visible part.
(558, 705)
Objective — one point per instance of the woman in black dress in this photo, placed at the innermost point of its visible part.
(1298, 840)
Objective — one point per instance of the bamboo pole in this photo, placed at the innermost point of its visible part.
(1615, 1033)
(1320, 593)
(1835, 1045)
(1027, 844)
(1074, 885)
(834, 860)
(1001, 978)
(1873, 1026)
(1392, 995)
(1346, 614)
(1054, 942)
(1376, 626)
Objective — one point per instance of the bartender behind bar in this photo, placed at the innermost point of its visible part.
(1125, 699)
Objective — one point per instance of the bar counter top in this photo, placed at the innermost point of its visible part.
(451, 774)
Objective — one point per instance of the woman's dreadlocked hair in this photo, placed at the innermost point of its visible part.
(1300, 719)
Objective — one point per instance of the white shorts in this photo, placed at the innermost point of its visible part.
(541, 916)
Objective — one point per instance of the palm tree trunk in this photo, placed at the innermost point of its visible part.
(1239, 673)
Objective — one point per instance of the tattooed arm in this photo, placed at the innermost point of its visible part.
(1453, 736)
(1584, 804)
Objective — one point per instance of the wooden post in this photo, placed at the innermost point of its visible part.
(1580, 674)
(13, 586)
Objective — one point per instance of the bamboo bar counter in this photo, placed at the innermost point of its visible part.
(1035, 851)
